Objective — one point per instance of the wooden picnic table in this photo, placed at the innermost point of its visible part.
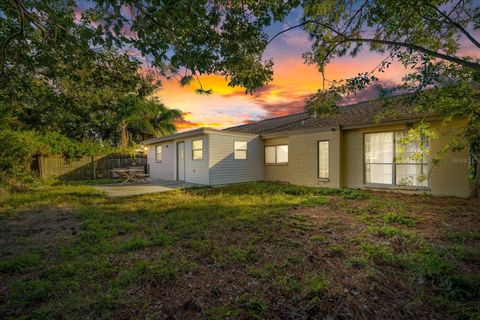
(133, 175)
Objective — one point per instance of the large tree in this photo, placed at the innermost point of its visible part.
(53, 78)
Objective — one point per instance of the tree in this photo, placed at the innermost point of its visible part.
(147, 119)
(53, 78)
(91, 99)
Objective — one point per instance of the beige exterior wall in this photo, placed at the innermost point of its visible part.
(450, 177)
(277, 172)
(302, 168)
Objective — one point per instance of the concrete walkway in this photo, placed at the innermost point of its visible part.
(132, 189)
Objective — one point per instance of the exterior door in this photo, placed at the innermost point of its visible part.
(181, 161)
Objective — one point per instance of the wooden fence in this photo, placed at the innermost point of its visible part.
(85, 168)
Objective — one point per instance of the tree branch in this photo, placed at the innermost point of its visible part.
(454, 59)
(12, 36)
(301, 25)
(457, 25)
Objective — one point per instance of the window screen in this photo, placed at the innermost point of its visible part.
(276, 154)
(390, 158)
(158, 153)
(197, 149)
(240, 150)
(323, 159)
(269, 154)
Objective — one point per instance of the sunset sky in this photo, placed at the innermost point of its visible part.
(293, 82)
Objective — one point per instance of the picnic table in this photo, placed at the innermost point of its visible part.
(133, 175)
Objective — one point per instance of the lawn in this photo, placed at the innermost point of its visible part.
(257, 250)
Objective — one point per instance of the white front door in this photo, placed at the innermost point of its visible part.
(181, 161)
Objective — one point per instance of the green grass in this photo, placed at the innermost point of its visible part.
(20, 263)
(398, 218)
(91, 182)
(256, 250)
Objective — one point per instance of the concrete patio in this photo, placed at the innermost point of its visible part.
(133, 189)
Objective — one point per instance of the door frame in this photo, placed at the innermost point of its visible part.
(177, 160)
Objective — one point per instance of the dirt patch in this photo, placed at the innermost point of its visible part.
(37, 228)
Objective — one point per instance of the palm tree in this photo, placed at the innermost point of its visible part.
(148, 119)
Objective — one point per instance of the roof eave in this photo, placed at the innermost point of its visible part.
(174, 136)
(194, 132)
(349, 127)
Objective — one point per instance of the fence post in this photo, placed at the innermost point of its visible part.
(94, 168)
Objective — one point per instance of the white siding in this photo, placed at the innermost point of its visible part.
(165, 169)
(196, 171)
(224, 168)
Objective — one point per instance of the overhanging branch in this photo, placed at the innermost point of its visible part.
(12, 36)
(456, 25)
(411, 46)
(414, 47)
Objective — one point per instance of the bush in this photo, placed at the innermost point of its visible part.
(15, 153)
(17, 148)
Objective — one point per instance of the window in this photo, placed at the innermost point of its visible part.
(197, 149)
(323, 159)
(158, 153)
(276, 154)
(270, 155)
(240, 150)
(391, 159)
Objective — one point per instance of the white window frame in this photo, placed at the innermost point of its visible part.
(394, 163)
(157, 159)
(327, 176)
(235, 149)
(193, 150)
(276, 147)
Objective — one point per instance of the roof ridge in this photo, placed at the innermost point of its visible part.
(268, 119)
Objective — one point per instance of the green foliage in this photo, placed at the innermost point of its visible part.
(30, 292)
(21, 263)
(134, 244)
(315, 285)
(15, 153)
(398, 218)
(18, 147)
(248, 255)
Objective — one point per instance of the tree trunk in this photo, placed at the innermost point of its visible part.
(476, 187)
(123, 134)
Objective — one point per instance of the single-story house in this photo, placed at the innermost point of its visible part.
(351, 149)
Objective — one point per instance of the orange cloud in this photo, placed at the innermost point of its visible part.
(186, 124)
(293, 83)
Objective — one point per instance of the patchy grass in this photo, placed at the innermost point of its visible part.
(248, 251)
(91, 182)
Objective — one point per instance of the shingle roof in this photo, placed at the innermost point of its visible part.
(351, 115)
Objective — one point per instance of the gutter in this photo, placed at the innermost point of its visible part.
(349, 127)
(194, 132)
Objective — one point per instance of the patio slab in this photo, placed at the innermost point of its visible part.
(132, 189)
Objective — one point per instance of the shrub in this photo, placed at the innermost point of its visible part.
(15, 153)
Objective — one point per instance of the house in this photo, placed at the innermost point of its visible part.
(351, 149)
